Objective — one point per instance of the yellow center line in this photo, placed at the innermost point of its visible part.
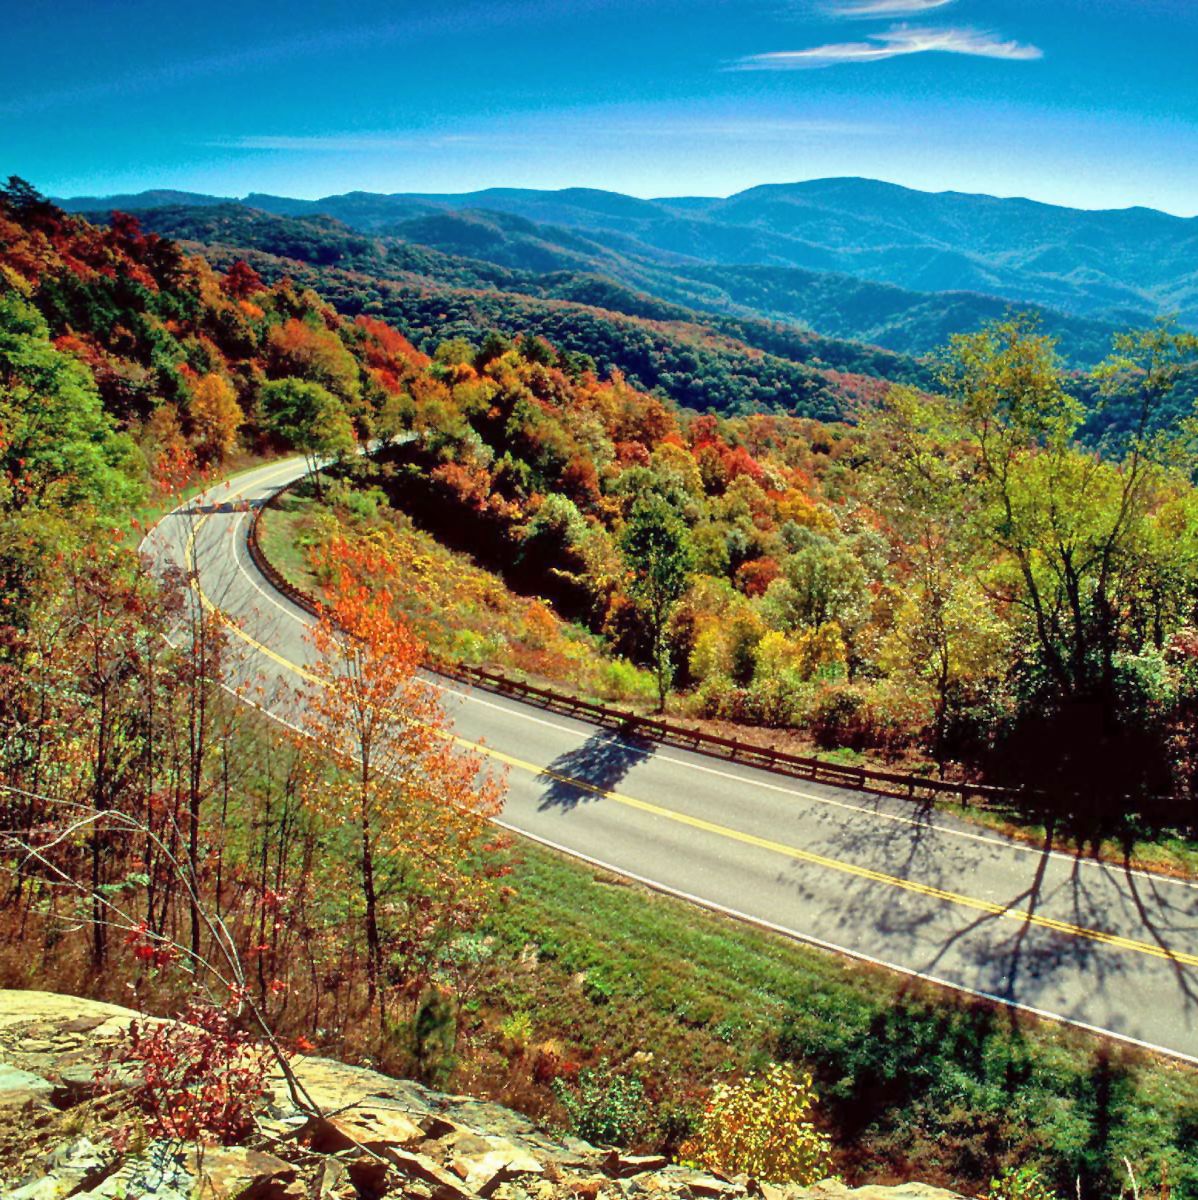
(988, 907)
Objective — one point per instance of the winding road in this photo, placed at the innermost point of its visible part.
(1094, 944)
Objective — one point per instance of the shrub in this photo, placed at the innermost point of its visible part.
(839, 716)
(365, 504)
(1020, 1183)
(618, 679)
(776, 653)
(710, 657)
(676, 1121)
(198, 1079)
(472, 648)
(434, 1036)
(540, 625)
(762, 1127)
(777, 702)
(602, 1105)
(517, 1028)
(598, 986)
(823, 652)
(718, 698)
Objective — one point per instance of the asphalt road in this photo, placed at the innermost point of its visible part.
(880, 879)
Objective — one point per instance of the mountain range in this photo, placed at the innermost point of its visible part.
(1113, 267)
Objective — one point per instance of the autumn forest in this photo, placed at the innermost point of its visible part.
(979, 565)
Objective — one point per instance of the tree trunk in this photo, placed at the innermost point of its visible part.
(373, 948)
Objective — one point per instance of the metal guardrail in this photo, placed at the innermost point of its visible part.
(817, 770)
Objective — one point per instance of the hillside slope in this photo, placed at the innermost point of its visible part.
(725, 363)
(388, 1136)
(753, 304)
(1108, 264)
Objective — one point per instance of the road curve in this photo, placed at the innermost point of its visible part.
(1090, 943)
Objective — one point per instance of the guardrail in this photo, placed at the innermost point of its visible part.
(817, 770)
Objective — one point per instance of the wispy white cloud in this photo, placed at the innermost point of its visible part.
(883, 8)
(727, 128)
(600, 127)
(343, 142)
(894, 43)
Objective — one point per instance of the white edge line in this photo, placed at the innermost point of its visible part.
(792, 934)
(784, 931)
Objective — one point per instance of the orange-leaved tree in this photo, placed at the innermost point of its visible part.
(419, 806)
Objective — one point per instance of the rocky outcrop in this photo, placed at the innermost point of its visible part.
(376, 1136)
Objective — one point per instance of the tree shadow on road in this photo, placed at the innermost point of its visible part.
(1067, 913)
(597, 766)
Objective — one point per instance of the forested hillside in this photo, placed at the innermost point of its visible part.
(499, 250)
(1086, 270)
(694, 358)
(1104, 264)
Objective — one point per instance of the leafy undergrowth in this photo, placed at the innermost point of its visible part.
(460, 610)
(913, 1082)
(469, 614)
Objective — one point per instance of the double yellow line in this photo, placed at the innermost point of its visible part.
(987, 907)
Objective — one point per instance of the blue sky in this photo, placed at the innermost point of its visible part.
(1092, 103)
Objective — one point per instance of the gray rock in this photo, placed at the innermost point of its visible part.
(35, 1045)
(464, 1141)
(77, 1082)
(45, 1187)
(84, 1024)
(81, 1155)
(420, 1167)
(698, 1185)
(71, 1167)
(436, 1128)
(624, 1166)
(486, 1117)
(499, 1164)
(835, 1189)
(237, 1173)
(161, 1172)
(331, 1178)
(19, 1087)
(372, 1129)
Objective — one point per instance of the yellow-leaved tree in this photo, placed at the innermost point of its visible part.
(762, 1127)
(215, 417)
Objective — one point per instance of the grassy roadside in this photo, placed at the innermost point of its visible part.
(284, 541)
(449, 624)
(1162, 852)
(578, 966)
(462, 611)
(915, 1082)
